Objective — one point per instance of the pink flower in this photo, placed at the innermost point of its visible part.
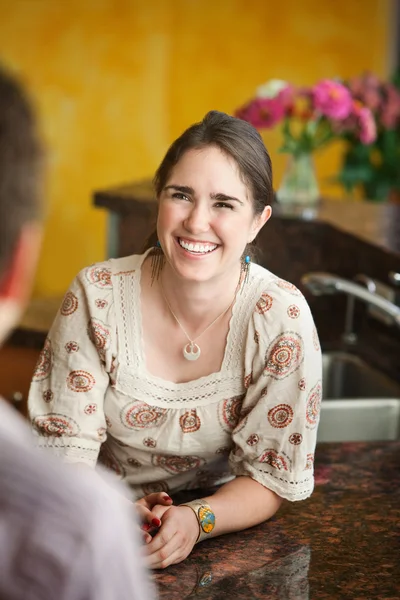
(367, 126)
(262, 112)
(332, 99)
(366, 88)
(365, 123)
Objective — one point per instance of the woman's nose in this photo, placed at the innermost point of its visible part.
(198, 220)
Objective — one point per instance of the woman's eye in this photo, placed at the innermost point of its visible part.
(180, 196)
(223, 205)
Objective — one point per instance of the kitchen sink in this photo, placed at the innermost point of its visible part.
(347, 376)
(359, 402)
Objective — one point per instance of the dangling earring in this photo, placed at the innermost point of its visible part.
(157, 261)
(246, 260)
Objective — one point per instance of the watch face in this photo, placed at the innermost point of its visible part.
(206, 518)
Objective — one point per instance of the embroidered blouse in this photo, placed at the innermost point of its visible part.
(92, 398)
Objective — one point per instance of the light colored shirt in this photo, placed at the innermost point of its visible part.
(64, 533)
(92, 397)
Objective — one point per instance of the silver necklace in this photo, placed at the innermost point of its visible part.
(191, 350)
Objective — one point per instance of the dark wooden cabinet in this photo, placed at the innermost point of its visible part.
(16, 368)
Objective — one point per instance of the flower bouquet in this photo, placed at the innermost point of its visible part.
(375, 169)
(311, 117)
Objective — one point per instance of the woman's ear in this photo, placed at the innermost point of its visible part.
(259, 221)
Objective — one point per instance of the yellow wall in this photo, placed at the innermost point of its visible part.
(116, 80)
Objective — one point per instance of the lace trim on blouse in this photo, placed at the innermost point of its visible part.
(133, 378)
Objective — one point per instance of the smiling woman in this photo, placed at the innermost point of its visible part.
(203, 366)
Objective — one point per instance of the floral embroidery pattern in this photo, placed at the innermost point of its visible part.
(56, 425)
(293, 311)
(256, 337)
(313, 406)
(302, 384)
(253, 439)
(177, 464)
(284, 356)
(247, 380)
(80, 381)
(155, 486)
(99, 334)
(280, 416)
(90, 409)
(295, 439)
(108, 422)
(190, 421)
(107, 458)
(289, 287)
(47, 395)
(264, 392)
(316, 343)
(134, 463)
(100, 303)
(44, 363)
(139, 415)
(264, 304)
(229, 412)
(99, 276)
(309, 462)
(275, 460)
(149, 443)
(69, 305)
(71, 347)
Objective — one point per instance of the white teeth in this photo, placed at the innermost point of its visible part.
(198, 248)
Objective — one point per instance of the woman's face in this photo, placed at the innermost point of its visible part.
(206, 216)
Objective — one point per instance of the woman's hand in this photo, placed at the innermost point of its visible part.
(175, 539)
(150, 509)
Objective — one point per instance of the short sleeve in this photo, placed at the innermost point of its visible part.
(66, 397)
(275, 439)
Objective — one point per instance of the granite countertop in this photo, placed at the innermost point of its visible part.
(342, 543)
(376, 223)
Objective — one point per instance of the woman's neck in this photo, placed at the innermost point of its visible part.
(198, 303)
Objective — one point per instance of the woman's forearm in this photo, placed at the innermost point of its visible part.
(242, 503)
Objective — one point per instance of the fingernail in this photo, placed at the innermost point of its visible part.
(146, 526)
(156, 522)
(167, 498)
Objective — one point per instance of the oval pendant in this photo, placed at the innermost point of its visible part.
(191, 351)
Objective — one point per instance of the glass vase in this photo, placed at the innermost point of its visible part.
(299, 186)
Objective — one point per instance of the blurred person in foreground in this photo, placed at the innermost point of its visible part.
(63, 533)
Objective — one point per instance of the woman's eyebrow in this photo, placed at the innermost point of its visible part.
(225, 198)
(185, 189)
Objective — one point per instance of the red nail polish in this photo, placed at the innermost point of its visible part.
(146, 526)
(167, 498)
(156, 522)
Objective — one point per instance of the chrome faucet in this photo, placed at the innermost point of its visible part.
(320, 284)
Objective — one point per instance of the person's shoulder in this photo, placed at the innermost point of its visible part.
(100, 275)
(278, 301)
(55, 515)
(267, 282)
(39, 487)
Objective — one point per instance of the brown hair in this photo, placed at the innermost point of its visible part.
(236, 138)
(20, 166)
